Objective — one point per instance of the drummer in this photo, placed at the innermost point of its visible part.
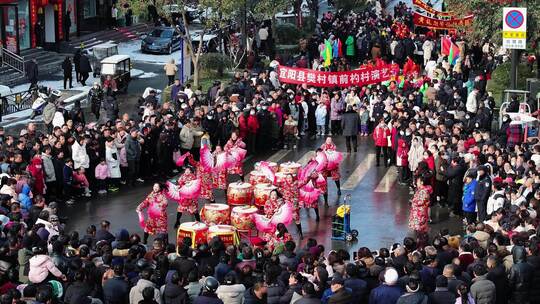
(290, 190)
(219, 178)
(273, 203)
(235, 142)
(334, 174)
(205, 176)
(188, 205)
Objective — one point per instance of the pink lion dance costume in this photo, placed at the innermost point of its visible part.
(156, 208)
(186, 194)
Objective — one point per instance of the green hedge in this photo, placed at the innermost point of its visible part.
(215, 63)
(500, 80)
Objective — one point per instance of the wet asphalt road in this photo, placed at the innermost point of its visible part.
(379, 204)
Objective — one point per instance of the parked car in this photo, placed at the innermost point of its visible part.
(174, 12)
(210, 42)
(163, 40)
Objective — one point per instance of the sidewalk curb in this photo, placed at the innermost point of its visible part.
(68, 102)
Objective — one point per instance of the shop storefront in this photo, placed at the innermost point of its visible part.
(93, 15)
(27, 24)
(8, 26)
(47, 18)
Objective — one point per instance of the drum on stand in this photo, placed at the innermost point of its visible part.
(197, 231)
(215, 214)
(226, 233)
(239, 194)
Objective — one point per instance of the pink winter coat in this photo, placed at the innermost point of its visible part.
(102, 172)
(40, 266)
(80, 180)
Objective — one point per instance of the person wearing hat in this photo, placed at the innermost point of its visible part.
(208, 294)
(389, 291)
(340, 295)
(482, 191)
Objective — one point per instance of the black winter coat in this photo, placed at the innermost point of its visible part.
(520, 276)
(534, 293)
(274, 293)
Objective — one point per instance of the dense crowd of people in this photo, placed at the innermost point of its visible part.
(434, 124)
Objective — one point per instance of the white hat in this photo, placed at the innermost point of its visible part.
(390, 276)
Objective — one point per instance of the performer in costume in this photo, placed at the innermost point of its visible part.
(220, 175)
(279, 238)
(334, 172)
(188, 205)
(235, 143)
(156, 209)
(205, 176)
(273, 203)
(419, 214)
(290, 190)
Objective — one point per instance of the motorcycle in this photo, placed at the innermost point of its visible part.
(44, 95)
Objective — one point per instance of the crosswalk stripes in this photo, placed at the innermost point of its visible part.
(279, 155)
(387, 181)
(359, 173)
(306, 157)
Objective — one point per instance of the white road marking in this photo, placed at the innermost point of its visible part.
(279, 155)
(359, 173)
(306, 157)
(388, 180)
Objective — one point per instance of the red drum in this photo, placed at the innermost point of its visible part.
(239, 194)
(215, 214)
(290, 168)
(197, 231)
(226, 233)
(257, 177)
(271, 165)
(241, 217)
(261, 193)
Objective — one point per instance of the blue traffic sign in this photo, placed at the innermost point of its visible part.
(514, 19)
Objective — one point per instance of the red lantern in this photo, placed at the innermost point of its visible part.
(44, 2)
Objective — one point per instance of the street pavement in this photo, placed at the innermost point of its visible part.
(379, 205)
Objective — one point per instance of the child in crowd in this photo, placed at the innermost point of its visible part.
(81, 182)
(402, 161)
(364, 121)
(290, 132)
(102, 173)
(320, 117)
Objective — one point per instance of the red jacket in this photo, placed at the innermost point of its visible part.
(380, 136)
(252, 124)
(403, 153)
(243, 126)
(36, 170)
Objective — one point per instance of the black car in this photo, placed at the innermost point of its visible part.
(163, 40)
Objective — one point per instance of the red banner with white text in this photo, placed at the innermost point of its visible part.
(444, 24)
(363, 76)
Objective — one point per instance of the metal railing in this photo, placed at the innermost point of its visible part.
(13, 60)
(17, 102)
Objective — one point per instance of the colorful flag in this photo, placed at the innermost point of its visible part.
(449, 49)
(327, 53)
